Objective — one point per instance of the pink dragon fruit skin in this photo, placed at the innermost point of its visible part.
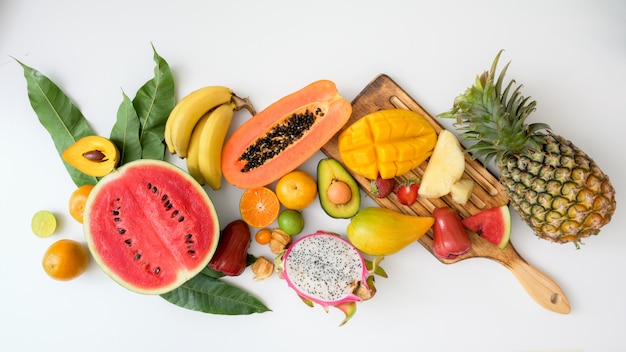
(326, 269)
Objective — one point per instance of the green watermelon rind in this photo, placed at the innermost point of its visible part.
(473, 223)
(184, 274)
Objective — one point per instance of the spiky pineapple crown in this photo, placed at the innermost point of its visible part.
(495, 118)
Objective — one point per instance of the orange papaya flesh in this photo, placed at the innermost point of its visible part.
(284, 135)
(388, 142)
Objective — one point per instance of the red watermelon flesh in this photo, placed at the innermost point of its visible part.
(493, 224)
(150, 226)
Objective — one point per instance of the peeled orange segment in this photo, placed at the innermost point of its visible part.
(391, 142)
(259, 207)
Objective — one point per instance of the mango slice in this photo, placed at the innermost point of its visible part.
(391, 142)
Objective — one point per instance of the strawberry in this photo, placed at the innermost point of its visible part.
(407, 192)
(381, 188)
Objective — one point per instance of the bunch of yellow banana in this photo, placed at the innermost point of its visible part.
(197, 127)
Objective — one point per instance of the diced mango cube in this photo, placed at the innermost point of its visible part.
(386, 152)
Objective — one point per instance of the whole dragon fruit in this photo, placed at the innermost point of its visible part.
(326, 269)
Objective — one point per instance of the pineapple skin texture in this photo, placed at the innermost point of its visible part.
(560, 192)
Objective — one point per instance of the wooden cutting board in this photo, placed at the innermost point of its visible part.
(384, 93)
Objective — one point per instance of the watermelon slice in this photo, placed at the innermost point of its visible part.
(493, 224)
(150, 226)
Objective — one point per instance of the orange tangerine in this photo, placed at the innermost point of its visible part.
(65, 260)
(259, 207)
(296, 190)
(78, 200)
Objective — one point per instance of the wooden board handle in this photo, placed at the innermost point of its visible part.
(539, 286)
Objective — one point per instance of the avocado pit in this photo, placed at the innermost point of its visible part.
(339, 192)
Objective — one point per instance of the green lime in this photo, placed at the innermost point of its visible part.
(43, 223)
(291, 221)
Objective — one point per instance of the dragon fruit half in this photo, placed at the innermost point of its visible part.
(326, 269)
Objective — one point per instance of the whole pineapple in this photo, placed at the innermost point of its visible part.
(556, 188)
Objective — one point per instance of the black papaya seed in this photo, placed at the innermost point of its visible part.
(277, 139)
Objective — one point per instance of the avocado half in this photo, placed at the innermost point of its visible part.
(330, 170)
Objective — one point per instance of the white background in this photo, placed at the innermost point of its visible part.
(569, 55)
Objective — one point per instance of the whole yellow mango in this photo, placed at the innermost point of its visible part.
(381, 231)
(391, 142)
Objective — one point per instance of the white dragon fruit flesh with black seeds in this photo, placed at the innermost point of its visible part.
(326, 269)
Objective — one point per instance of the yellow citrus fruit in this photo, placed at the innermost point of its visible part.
(43, 223)
(65, 260)
(296, 190)
(259, 206)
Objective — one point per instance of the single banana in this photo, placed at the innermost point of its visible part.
(193, 151)
(189, 111)
(211, 143)
(168, 128)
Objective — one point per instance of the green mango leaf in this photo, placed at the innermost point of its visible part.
(61, 118)
(212, 273)
(208, 294)
(154, 102)
(125, 132)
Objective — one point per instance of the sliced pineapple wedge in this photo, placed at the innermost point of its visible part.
(461, 190)
(445, 167)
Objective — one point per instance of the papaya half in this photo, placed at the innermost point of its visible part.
(284, 135)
